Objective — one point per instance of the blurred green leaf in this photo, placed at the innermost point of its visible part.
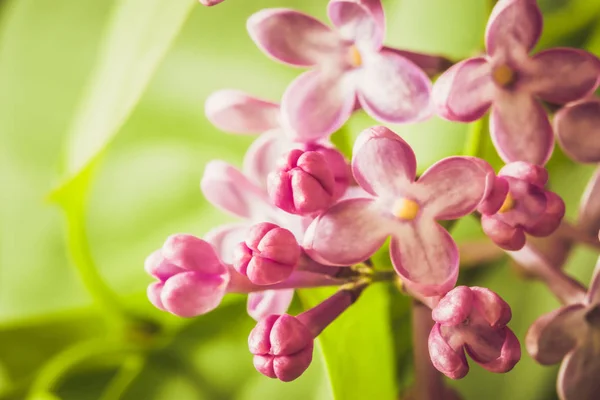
(578, 13)
(357, 347)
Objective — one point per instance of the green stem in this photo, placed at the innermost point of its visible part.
(130, 369)
(474, 143)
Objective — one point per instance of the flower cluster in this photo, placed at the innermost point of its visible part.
(310, 217)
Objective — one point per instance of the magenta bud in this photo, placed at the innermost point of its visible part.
(303, 183)
(191, 279)
(338, 165)
(269, 254)
(495, 197)
(282, 347)
(472, 319)
(504, 235)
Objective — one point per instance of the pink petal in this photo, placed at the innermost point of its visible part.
(227, 188)
(432, 65)
(504, 235)
(346, 234)
(317, 103)
(555, 334)
(238, 112)
(527, 172)
(445, 359)
(391, 88)
(509, 356)
(262, 155)
(382, 162)
(193, 293)
(562, 75)
(452, 187)
(588, 220)
(269, 302)
(192, 254)
(154, 290)
(577, 128)
(464, 92)
(513, 23)
(579, 372)
(156, 266)
(520, 129)
(454, 307)
(292, 37)
(492, 307)
(360, 21)
(225, 238)
(425, 256)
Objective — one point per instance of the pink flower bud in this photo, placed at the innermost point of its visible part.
(338, 165)
(472, 319)
(282, 347)
(191, 278)
(303, 184)
(268, 256)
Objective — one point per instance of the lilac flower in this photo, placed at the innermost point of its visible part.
(268, 255)
(577, 128)
(303, 183)
(238, 112)
(527, 208)
(283, 345)
(472, 319)
(423, 252)
(571, 334)
(349, 65)
(511, 82)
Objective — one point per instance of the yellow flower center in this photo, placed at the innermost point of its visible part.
(354, 56)
(405, 209)
(509, 204)
(503, 75)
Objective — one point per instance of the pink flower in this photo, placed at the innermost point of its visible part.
(349, 64)
(423, 253)
(283, 345)
(571, 334)
(577, 128)
(472, 319)
(528, 207)
(511, 82)
(268, 255)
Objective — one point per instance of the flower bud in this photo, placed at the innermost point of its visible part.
(191, 280)
(338, 165)
(303, 183)
(268, 256)
(472, 319)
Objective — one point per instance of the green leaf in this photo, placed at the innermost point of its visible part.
(357, 347)
(136, 39)
(578, 14)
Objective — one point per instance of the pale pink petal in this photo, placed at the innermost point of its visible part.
(262, 155)
(520, 129)
(425, 256)
(192, 254)
(513, 23)
(452, 187)
(317, 103)
(225, 238)
(292, 37)
(348, 233)
(554, 334)
(391, 88)
(237, 112)
(227, 188)
(577, 128)
(465, 92)
(562, 75)
(383, 163)
(588, 220)
(578, 378)
(269, 302)
(189, 294)
(360, 21)
(154, 290)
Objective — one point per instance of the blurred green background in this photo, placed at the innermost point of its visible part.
(74, 74)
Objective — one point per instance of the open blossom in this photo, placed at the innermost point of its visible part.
(527, 208)
(422, 251)
(511, 82)
(283, 345)
(577, 127)
(472, 320)
(237, 112)
(571, 334)
(349, 65)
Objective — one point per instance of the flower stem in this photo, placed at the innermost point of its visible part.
(429, 384)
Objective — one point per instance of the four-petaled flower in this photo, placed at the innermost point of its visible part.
(422, 251)
(350, 65)
(511, 82)
(571, 334)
